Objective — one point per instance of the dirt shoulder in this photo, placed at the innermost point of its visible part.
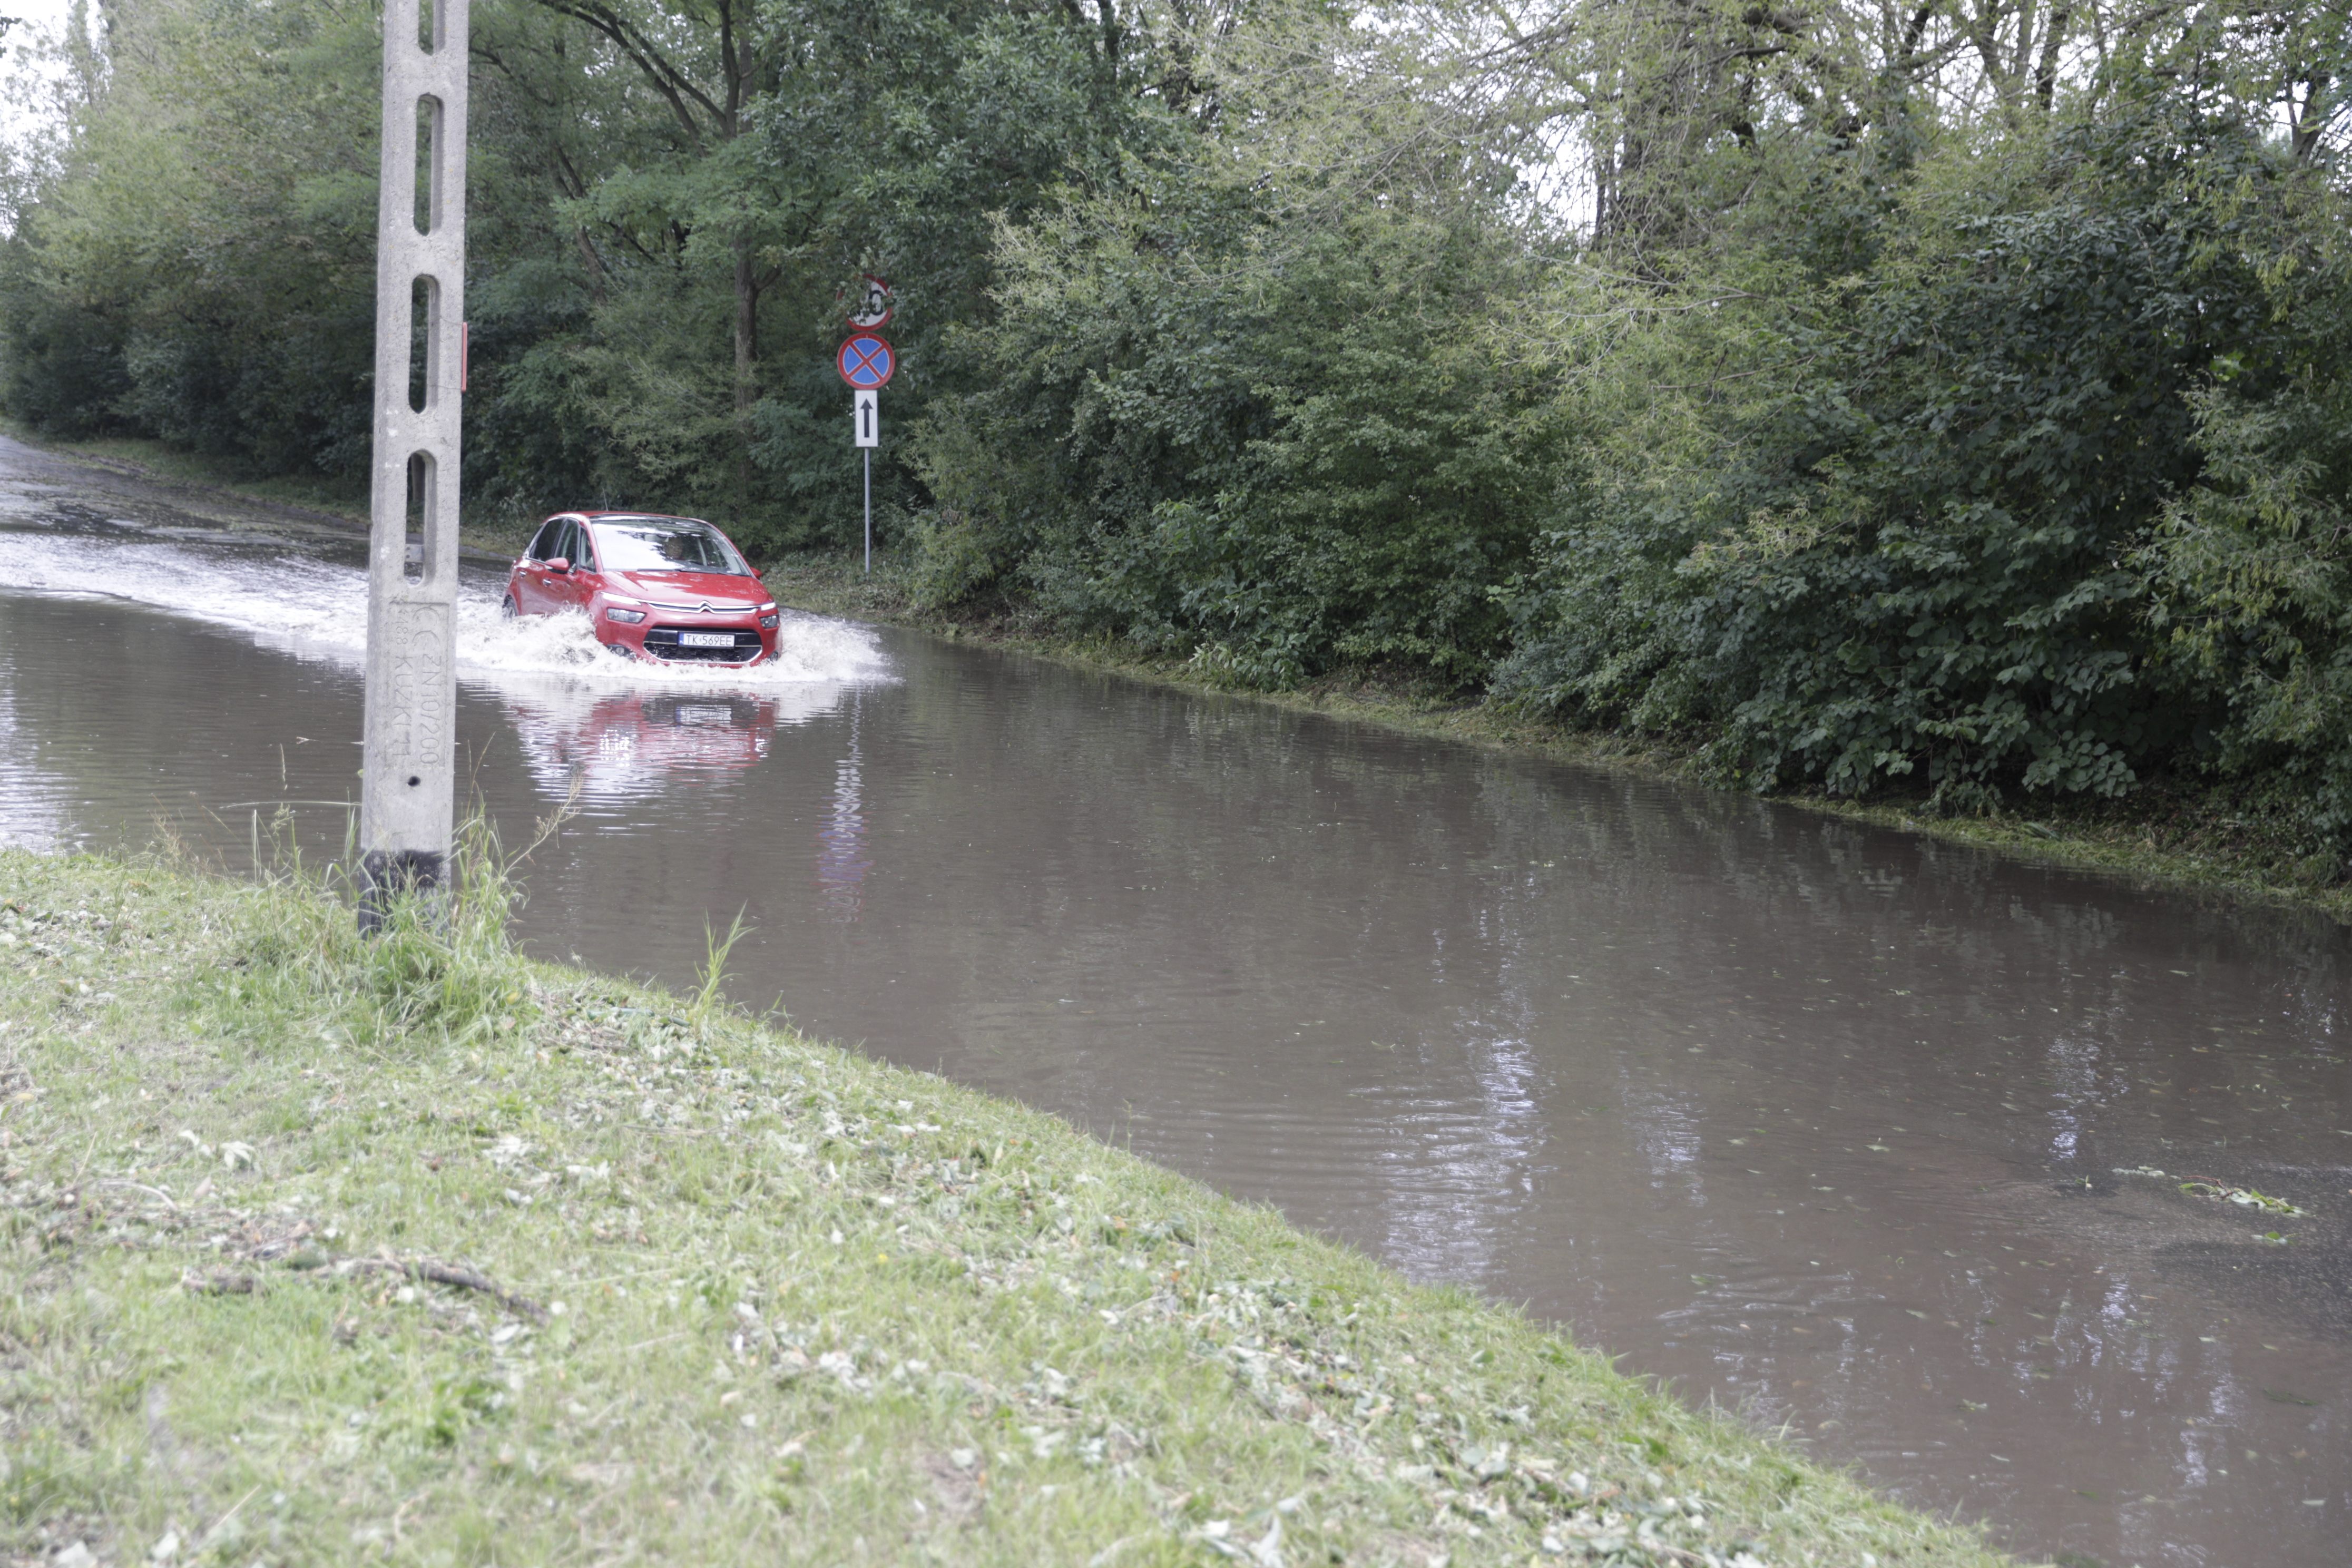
(145, 473)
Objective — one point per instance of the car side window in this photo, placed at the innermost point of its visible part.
(584, 547)
(567, 542)
(547, 545)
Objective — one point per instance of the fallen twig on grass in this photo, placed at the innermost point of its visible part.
(425, 1270)
(422, 1269)
(443, 1274)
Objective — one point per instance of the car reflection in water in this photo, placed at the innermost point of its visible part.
(627, 744)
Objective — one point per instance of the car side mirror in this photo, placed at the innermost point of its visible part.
(758, 573)
(559, 564)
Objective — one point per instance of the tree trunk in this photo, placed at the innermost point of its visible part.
(747, 360)
(594, 265)
(2045, 74)
(2310, 116)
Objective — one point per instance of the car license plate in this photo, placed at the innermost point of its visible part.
(705, 713)
(706, 640)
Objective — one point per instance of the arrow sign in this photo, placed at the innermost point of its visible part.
(866, 411)
(866, 361)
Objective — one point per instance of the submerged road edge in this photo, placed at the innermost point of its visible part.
(2209, 846)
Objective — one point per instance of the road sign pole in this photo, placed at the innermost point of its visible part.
(867, 362)
(408, 795)
(866, 428)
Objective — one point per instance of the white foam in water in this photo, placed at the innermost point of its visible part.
(319, 609)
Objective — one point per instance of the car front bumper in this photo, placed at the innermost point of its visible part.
(689, 639)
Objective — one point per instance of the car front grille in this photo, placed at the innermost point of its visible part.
(662, 643)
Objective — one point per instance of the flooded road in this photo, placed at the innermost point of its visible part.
(1880, 1141)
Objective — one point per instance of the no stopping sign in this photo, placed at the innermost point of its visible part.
(867, 362)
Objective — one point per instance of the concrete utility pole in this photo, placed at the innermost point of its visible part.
(408, 800)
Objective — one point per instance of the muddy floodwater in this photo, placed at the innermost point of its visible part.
(1879, 1141)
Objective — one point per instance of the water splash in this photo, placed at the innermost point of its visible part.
(318, 610)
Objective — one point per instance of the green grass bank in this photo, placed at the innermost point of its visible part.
(412, 1250)
(2181, 836)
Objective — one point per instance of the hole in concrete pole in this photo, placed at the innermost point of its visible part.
(417, 553)
(427, 25)
(424, 344)
(428, 164)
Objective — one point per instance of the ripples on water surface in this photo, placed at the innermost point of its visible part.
(1820, 1121)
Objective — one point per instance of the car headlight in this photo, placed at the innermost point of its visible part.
(768, 623)
(626, 617)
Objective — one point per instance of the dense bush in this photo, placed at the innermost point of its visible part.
(1277, 451)
(1935, 552)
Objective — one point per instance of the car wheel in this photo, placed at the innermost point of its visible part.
(506, 608)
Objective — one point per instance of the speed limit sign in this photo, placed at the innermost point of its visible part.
(871, 303)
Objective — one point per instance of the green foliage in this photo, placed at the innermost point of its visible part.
(436, 965)
(1925, 553)
(658, 230)
(65, 369)
(2249, 571)
(1233, 409)
(202, 268)
(1951, 403)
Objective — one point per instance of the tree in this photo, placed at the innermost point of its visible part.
(709, 63)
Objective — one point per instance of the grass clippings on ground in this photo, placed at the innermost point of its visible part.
(413, 1251)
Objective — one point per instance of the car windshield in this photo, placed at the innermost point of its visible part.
(665, 544)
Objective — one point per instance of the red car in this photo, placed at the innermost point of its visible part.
(669, 589)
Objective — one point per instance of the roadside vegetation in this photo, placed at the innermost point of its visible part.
(1941, 406)
(414, 1250)
(2192, 837)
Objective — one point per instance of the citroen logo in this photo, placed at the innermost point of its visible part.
(706, 608)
